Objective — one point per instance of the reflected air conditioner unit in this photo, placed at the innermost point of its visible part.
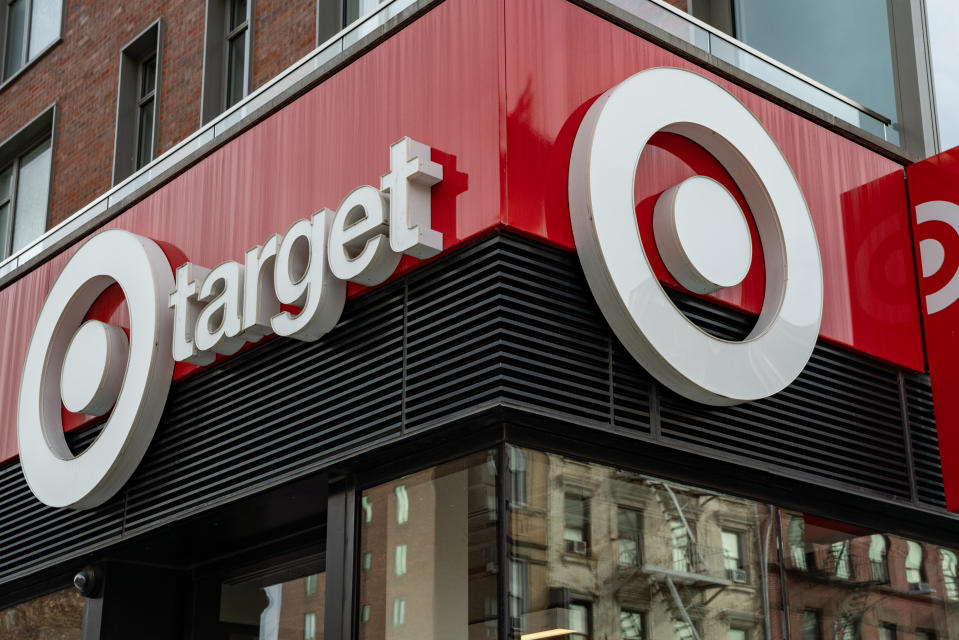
(737, 575)
(578, 547)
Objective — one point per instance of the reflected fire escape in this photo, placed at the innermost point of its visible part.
(687, 586)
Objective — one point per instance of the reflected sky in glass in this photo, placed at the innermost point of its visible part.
(943, 18)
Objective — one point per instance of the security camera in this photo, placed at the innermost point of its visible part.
(88, 582)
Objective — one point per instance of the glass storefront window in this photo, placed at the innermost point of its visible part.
(429, 555)
(57, 616)
(672, 561)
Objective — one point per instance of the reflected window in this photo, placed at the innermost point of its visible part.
(365, 613)
(399, 611)
(737, 634)
(839, 552)
(367, 509)
(402, 505)
(517, 476)
(309, 626)
(630, 524)
(887, 631)
(576, 529)
(812, 625)
(311, 581)
(877, 558)
(580, 620)
(518, 591)
(684, 631)
(733, 556)
(367, 561)
(925, 635)
(850, 629)
(949, 577)
(632, 625)
(797, 543)
(915, 575)
(400, 560)
(682, 547)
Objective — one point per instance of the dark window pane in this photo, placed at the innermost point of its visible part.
(237, 13)
(148, 72)
(236, 71)
(811, 625)
(16, 34)
(632, 626)
(4, 223)
(145, 133)
(6, 177)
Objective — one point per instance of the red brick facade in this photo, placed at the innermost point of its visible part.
(81, 72)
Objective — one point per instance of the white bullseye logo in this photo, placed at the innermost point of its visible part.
(701, 234)
(92, 368)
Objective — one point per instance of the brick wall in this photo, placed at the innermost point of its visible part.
(81, 73)
(283, 32)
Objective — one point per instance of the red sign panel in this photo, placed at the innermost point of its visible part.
(934, 196)
(498, 90)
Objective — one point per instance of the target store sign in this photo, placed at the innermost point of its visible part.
(294, 285)
(94, 368)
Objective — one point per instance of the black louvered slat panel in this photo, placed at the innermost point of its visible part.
(277, 408)
(453, 319)
(553, 355)
(925, 441)
(841, 418)
(31, 534)
(631, 386)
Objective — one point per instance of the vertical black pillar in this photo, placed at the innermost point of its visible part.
(341, 540)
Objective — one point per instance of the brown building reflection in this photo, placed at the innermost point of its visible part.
(58, 616)
(598, 553)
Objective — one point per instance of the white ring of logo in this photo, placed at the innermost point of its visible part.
(602, 210)
(55, 476)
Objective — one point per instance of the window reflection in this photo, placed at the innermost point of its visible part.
(428, 555)
(268, 608)
(56, 616)
(616, 555)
